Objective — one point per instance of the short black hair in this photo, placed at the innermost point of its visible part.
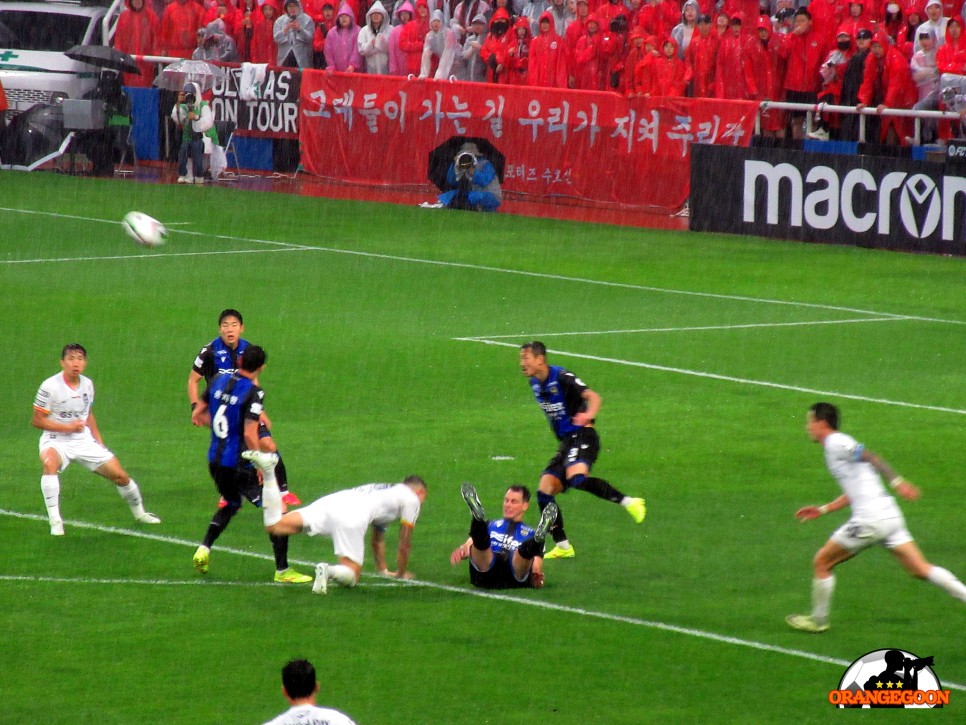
(230, 312)
(298, 679)
(414, 480)
(535, 347)
(803, 11)
(826, 412)
(72, 347)
(522, 490)
(253, 358)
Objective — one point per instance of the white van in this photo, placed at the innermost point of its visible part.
(33, 38)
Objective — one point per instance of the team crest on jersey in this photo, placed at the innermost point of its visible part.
(553, 389)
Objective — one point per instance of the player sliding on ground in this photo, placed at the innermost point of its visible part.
(344, 516)
(876, 518)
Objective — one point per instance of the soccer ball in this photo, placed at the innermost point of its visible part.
(144, 230)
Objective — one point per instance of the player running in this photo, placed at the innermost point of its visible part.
(570, 407)
(876, 518)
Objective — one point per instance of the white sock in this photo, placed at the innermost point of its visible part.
(342, 575)
(271, 499)
(565, 544)
(945, 579)
(132, 494)
(822, 598)
(50, 487)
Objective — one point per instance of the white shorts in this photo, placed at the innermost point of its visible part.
(87, 452)
(854, 535)
(348, 530)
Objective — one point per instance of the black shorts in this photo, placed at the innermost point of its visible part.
(500, 575)
(581, 446)
(235, 483)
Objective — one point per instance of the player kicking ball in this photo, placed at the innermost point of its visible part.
(345, 516)
(876, 519)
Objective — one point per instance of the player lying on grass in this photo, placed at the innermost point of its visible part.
(504, 553)
(876, 518)
(344, 516)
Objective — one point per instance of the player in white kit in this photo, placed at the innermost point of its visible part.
(62, 410)
(876, 518)
(345, 516)
(300, 687)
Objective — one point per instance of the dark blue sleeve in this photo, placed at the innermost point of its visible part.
(484, 174)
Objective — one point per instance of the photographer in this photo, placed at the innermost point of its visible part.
(472, 182)
(193, 115)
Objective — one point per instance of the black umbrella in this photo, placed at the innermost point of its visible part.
(34, 134)
(104, 56)
(441, 158)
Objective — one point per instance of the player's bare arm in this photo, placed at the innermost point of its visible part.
(461, 552)
(902, 487)
(92, 425)
(251, 434)
(402, 555)
(41, 421)
(377, 541)
(593, 401)
(807, 513)
(200, 416)
(193, 380)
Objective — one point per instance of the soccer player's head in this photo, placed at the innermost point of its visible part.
(533, 357)
(822, 418)
(516, 501)
(72, 349)
(298, 679)
(418, 485)
(230, 327)
(225, 314)
(253, 359)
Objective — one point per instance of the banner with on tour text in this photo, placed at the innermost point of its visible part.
(592, 146)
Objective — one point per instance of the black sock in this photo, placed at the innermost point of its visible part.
(280, 548)
(530, 548)
(219, 522)
(280, 475)
(601, 489)
(480, 533)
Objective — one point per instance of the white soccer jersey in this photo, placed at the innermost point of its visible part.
(311, 715)
(65, 404)
(858, 479)
(379, 503)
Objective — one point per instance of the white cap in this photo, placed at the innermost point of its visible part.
(933, 2)
(893, 8)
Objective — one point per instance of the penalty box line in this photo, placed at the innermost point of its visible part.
(483, 594)
(726, 378)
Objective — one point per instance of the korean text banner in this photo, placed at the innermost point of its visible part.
(597, 147)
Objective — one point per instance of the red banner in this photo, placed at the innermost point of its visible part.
(591, 146)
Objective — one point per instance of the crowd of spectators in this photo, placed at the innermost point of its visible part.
(866, 53)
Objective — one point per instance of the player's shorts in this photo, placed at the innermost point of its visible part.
(236, 483)
(581, 446)
(854, 536)
(346, 528)
(499, 576)
(86, 451)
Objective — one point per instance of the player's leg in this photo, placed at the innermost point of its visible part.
(551, 485)
(480, 552)
(267, 443)
(127, 488)
(523, 557)
(912, 560)
(346, 574)
(582, 452)
(823, 586)
(229, 488)
(50, 487)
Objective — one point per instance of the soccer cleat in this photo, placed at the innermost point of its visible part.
(547, 517)
(201, 558)
(290, 576)
(260, 459)
(321, 583)
(290, 499)
(473, 501)
(637, 509)
(805, 623)
(558, 553)
(57, 528)
(222, 502)
(147, 518)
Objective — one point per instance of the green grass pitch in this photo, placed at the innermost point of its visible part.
(392, 333)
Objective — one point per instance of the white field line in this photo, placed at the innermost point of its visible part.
(455, 265)
(728, 378)
(483, 594)
(692, 328)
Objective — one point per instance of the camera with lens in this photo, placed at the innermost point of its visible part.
(190, 99)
